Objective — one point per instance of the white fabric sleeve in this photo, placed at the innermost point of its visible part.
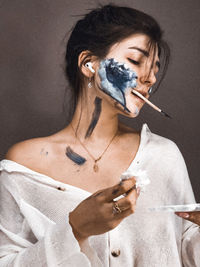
(53, 245)
(191, 231)
(191, 234)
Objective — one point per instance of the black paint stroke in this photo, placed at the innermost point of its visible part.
(95, 116)
(74, 156)
(124, 106)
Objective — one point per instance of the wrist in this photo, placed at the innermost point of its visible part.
(78, 236)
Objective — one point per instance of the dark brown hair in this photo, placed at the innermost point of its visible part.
(100, 29)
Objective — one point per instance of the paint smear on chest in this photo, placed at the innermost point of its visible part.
(76, 158)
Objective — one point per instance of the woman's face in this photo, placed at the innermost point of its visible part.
(128, 65)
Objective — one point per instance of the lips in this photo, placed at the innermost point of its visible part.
(141, 92)
(141, 100)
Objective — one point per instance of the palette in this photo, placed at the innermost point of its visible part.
(177, 208)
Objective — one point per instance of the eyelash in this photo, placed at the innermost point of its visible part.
(133, 61)
(138, 63)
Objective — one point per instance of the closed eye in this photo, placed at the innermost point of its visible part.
(133, 61)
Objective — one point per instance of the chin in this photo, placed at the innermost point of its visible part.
(132, 113)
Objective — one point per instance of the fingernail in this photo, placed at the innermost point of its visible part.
(184, 215)
(138, 190)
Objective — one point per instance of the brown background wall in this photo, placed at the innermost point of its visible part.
(33, 83)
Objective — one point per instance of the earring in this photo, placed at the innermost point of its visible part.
(90, 83)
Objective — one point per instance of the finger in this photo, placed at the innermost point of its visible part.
(123, 214)
(129, 201)
(96, 194)
(190, 216)
(138, 190)
(134, 187)
(184, 215)
(111, 193)
(125, 206)
(194, 217)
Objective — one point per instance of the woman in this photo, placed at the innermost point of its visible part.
(62, 202)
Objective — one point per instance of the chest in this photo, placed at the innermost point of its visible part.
(111, 164)
(85, 176)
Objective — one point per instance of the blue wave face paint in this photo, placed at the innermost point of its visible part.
(116, 80)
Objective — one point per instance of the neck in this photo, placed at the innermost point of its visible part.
(94, 120)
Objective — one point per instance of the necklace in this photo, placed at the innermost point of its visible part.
(95, 166)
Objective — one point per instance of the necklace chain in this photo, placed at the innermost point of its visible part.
(95, 167)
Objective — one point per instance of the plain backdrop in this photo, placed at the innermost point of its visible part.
(33, 35)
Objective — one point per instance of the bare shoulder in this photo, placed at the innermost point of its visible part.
(27, 152)
(39, 153)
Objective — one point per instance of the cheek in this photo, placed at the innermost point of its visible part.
(121, 79)
(116, 78)
(131, 105)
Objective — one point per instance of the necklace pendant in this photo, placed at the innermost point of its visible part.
(96, 168)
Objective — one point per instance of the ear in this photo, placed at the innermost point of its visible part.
(84, 57)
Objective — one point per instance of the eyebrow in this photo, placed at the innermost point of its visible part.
(145, 53)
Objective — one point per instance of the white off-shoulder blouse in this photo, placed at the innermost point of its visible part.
(35, 231)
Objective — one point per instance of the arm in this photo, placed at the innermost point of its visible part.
(191, 231)
(55, 244)
(47, 243)
(191, 234)
(29, 238)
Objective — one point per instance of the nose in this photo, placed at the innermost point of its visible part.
(148, 78)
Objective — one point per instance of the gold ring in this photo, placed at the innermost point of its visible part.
(116, 208)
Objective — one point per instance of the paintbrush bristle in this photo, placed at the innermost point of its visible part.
(165, 114)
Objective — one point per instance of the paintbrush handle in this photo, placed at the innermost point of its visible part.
(146, 100)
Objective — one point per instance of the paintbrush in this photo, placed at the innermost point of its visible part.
(149, 103)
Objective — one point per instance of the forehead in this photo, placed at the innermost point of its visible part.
(134, 41)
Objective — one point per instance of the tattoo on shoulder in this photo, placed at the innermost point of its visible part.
(44, 152)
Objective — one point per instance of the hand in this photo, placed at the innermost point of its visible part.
(193, 216)
(94, 215)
